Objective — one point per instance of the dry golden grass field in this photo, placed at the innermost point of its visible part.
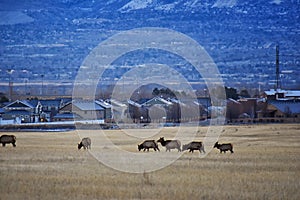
(47, 165)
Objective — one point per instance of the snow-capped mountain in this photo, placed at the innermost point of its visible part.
(136, 5)
(175, 5)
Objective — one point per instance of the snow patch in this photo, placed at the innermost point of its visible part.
(166, 7)
(192, 4)
(136, 5)
(277, 2)
(224, 4)
(14, 17)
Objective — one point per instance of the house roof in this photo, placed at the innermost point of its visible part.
(45, 102)
(292, 93)
(33, 102)
(143, 100)
(117, 103)
(286, 106)
(157, 100)
(19, 104)
(103, 104)
(233, 101)
(133, 103)
(287, 93)
(87, 105)
(51, 102)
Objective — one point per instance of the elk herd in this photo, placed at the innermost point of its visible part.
(146, 145)
(176, 144)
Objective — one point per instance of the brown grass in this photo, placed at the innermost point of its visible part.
(265, 165)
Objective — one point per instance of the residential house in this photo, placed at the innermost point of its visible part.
(280, 105)
(248, 107)
(159, 110)
(156, 109)
(20, 112)
(65, 116)
(136, 112)
(107, 110)
(204, 104)
(281, 109)
(48, 108)
(241, 109)
(234, 109)
(119, 110)
(82, 110)
(281, 94)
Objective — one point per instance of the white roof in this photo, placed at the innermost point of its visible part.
(287, 93)
(103, 104)
(158, 99)
(293, 93)
(134, 103)
(86, 105)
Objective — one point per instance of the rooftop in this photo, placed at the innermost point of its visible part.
(87, 105)
(287, 93)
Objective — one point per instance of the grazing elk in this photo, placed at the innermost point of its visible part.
(224, 147)
(192, 146)
(7, 139)
(148, 144)
(170, 144)
(85, 143)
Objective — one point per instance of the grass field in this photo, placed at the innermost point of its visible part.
(47, 165)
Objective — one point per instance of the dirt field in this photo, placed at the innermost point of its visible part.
(47, 165)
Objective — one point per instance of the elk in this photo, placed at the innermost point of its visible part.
(148, 144)
(7, 139)
(192, 146)
(170, 144)
(85, 143)
(224, 147)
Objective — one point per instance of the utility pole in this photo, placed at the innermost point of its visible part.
(10, 84)
(206, 96)
(277, 68)
(42, 92)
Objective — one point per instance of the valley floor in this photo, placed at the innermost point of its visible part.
(47, 165)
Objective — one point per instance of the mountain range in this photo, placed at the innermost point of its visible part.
(50, 39)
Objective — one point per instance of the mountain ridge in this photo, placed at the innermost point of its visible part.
(237, 34)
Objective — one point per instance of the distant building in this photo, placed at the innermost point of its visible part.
(205, 105)
(20, 112)
(150, 110)
(282, 105)
(85, 110)
(159, 110)
(48, 108)
(234, 109)
(119, 110)
(281, 109)
(107, 110)
(66, 116)
(282, 94)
